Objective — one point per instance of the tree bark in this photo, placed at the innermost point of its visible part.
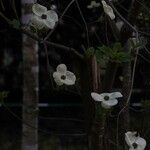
(90, 82)
(30, 85)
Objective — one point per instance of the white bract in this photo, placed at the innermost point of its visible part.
(108, 10)
(93, 4)
(119, 24)
(132, 43)
(107, 99)
(63, 76)
(134, 141)
(42, 17)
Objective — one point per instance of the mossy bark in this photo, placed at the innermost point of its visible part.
(30, 85)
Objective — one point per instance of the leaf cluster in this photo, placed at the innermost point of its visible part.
(105, 53)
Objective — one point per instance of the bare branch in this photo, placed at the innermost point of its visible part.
(56, 45)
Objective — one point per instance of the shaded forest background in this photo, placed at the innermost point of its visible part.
(60, 105)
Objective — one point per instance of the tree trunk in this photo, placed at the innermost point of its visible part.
(90, 82)
(30, 85)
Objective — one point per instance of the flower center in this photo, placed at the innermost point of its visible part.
(106, 98)
(135, 145)
(44, 16)
(63, 77)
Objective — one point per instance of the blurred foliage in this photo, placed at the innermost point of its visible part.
(105, 53)
(15, 23)
(146, 104)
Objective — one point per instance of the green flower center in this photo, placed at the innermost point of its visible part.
(44, 16)
(135, 145)
(63, 77)
(106, 98)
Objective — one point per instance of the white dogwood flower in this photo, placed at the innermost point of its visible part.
(93, 4)
(108, 10)
(134, 141)
(42, 17)
(107, 99)
(63, 76)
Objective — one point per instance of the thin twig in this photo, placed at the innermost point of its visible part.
(66, 9)
(122, 18)
(39, 129)
(134, 66)
(5, 18)
(56, 45)
(48, 64)
(87, 32)
(67, 49)
(130, 92)
(2, 5)
(14, 9)
(144, 58)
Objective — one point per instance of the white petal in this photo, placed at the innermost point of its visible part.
(89, 6)
(119, 24)
(105, 106)
(61, 69)
(58, 82)
(108, 10)
(38, 9)
(49, 23)
(131, 148)
(105, 94)
(95, 4)
(97, 97)
(111, 14)
(115, 95)
(57, 78)
(141, 143)
(109, 103)
(130, 138)
(70, 76)
(68, 82)
(52, 15)
(37, 22)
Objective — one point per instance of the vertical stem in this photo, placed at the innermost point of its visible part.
(98, 124)
(110, 76)
(86, 88)
(127, 71)
(90, 82)
(30, 87)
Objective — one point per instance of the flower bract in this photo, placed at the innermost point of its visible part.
(107, 99)
(134, 141)
(108, 10)
(93, 4)
(43, 18)
(63, 76)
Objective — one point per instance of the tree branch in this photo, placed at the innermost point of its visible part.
(56, 45)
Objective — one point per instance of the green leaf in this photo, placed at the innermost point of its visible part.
(33, 29)
(104, 54)
(3, 95)
(146, 104)
(15, 23)
(117, 47)
(104, 49)
(89, 52)
(121, 57)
